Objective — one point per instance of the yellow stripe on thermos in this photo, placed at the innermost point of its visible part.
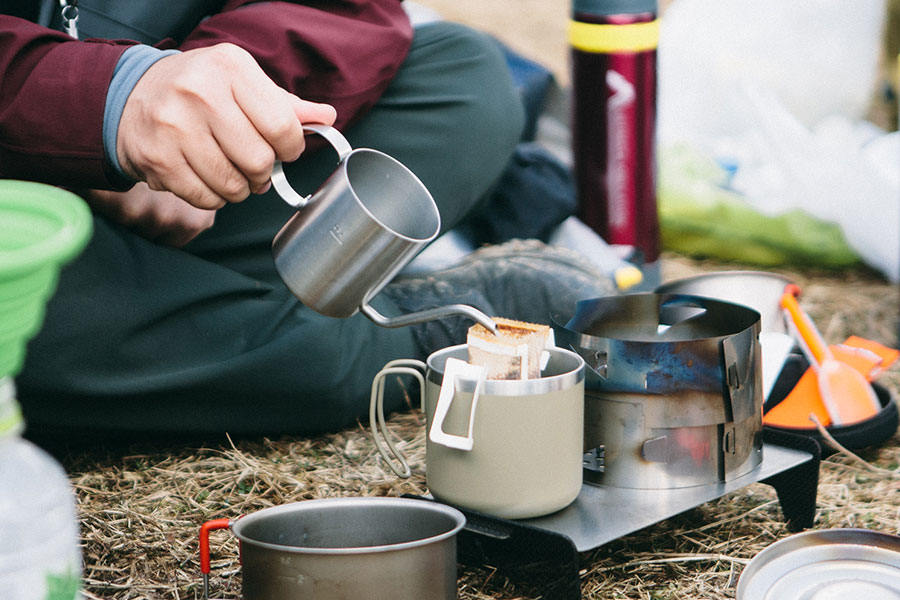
(603, 38)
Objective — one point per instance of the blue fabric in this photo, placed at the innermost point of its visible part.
(532, 80)
(535, 194)
(132, 65)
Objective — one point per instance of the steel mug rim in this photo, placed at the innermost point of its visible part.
(344, 168)
(511, 387)
(306, 506)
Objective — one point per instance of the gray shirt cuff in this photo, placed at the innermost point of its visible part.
(132, 65)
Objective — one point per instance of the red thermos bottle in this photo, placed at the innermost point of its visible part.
(613, 51)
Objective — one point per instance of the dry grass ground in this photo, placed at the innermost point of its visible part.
(141, 507)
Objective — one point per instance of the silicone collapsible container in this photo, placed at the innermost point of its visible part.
(41, 228)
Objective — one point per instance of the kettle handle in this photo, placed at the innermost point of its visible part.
(279, 179)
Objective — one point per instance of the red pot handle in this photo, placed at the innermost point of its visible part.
(204, 549)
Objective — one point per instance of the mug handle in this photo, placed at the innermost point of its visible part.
(204, 549)
(279, 180)
(453, 369)
(401, 366)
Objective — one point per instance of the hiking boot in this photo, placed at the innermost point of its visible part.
(525, 280)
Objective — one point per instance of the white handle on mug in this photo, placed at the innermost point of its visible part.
(401, 366)
(279, 180)
(453, 369)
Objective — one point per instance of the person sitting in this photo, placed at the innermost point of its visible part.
(173, 320)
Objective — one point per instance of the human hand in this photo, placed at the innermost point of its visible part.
(208, 125)
(160, 217)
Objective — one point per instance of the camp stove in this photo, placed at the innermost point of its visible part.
(673, 420)
(672, 390)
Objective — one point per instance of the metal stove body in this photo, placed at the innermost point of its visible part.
(673, 389)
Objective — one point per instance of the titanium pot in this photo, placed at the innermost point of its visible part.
(344, 549)
(672, 389)
(758, 290)
(508, 448)
(358, 230)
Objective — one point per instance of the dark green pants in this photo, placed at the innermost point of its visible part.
(141, 338)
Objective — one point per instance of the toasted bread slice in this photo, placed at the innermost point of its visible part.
(514, 353)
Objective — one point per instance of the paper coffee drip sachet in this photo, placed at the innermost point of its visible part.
(517, 351)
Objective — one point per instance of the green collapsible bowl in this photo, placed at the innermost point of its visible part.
(41, 228)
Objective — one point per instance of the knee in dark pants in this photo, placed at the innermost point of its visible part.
(468, 117)
(483, 91)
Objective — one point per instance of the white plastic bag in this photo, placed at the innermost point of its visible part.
(777, 92)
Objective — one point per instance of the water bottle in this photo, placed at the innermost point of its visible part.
(613, 58)
(40, 558)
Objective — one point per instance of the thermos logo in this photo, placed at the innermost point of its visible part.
(622, 97)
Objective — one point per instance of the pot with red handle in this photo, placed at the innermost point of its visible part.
(343, 549)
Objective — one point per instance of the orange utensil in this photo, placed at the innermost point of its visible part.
(797, 408)
(865, 361)
(846, 394)
(866, 356)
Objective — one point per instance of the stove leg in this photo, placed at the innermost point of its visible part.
(549, 559)
(796, 487)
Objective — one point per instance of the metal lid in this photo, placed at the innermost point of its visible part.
(825, 565)
(614, 7)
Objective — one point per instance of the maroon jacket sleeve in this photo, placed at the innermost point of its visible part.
(53, 89)
(343, 52)
(52, 96)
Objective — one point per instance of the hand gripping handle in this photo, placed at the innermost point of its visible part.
(279, 179)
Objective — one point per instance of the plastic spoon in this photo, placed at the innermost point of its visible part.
(846, 394)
